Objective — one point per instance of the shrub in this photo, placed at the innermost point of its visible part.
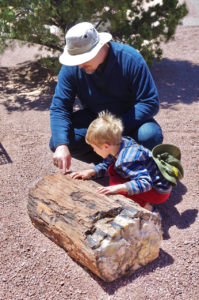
(144, 24)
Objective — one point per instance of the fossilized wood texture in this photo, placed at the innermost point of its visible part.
(110, 235)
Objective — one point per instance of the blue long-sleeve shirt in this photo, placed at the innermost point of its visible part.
(125, 88)
(135, 163)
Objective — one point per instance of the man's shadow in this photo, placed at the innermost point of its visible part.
(170, 214)
(4, 157)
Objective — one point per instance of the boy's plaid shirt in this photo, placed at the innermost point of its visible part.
(135, 163)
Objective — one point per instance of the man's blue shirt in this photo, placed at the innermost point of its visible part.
(125, 88)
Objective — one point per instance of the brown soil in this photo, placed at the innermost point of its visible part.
(33, 267)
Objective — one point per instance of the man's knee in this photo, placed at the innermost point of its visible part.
(150, 134)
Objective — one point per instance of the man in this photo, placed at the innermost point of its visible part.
(104, 75)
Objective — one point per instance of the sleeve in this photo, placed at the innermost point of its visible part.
(144, 93)
(140, 179)
(102, 168)
(62, 107)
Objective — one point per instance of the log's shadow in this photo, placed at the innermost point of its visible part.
(164, 259)
(4, 157)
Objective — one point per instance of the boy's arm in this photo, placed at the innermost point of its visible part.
(112, 189)
(85, 174)
(140, 179)
(97, 171)
(102, 168)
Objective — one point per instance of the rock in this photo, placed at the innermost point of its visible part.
(110, 235)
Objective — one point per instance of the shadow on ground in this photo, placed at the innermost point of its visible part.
(30, 86)
(163, 260)
(171, 216)
(4, 157)
(177, 81)
(27, 87)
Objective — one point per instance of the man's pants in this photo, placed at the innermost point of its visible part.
(149, 134)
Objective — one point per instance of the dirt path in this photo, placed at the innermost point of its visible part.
(33, 267)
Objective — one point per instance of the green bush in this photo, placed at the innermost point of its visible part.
(143, 24)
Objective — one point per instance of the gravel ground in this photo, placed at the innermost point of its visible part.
(33, 267)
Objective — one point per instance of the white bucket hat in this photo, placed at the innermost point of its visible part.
(83, 42)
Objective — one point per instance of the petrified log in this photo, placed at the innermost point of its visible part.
(110, 235)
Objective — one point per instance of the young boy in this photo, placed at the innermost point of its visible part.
(131, 168)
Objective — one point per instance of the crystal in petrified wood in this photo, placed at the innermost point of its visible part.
(110, 235)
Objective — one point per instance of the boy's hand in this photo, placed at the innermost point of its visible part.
(113, 189)
(85, 174)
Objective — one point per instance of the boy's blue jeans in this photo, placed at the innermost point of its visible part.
(149, 134)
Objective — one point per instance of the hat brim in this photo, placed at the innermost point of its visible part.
(175, 152)
(171, 149)
(75, 60)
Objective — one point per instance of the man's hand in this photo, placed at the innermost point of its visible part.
(85, 174)
(62, 158)
(112, 189)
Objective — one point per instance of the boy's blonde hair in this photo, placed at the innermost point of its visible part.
(106, 129)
